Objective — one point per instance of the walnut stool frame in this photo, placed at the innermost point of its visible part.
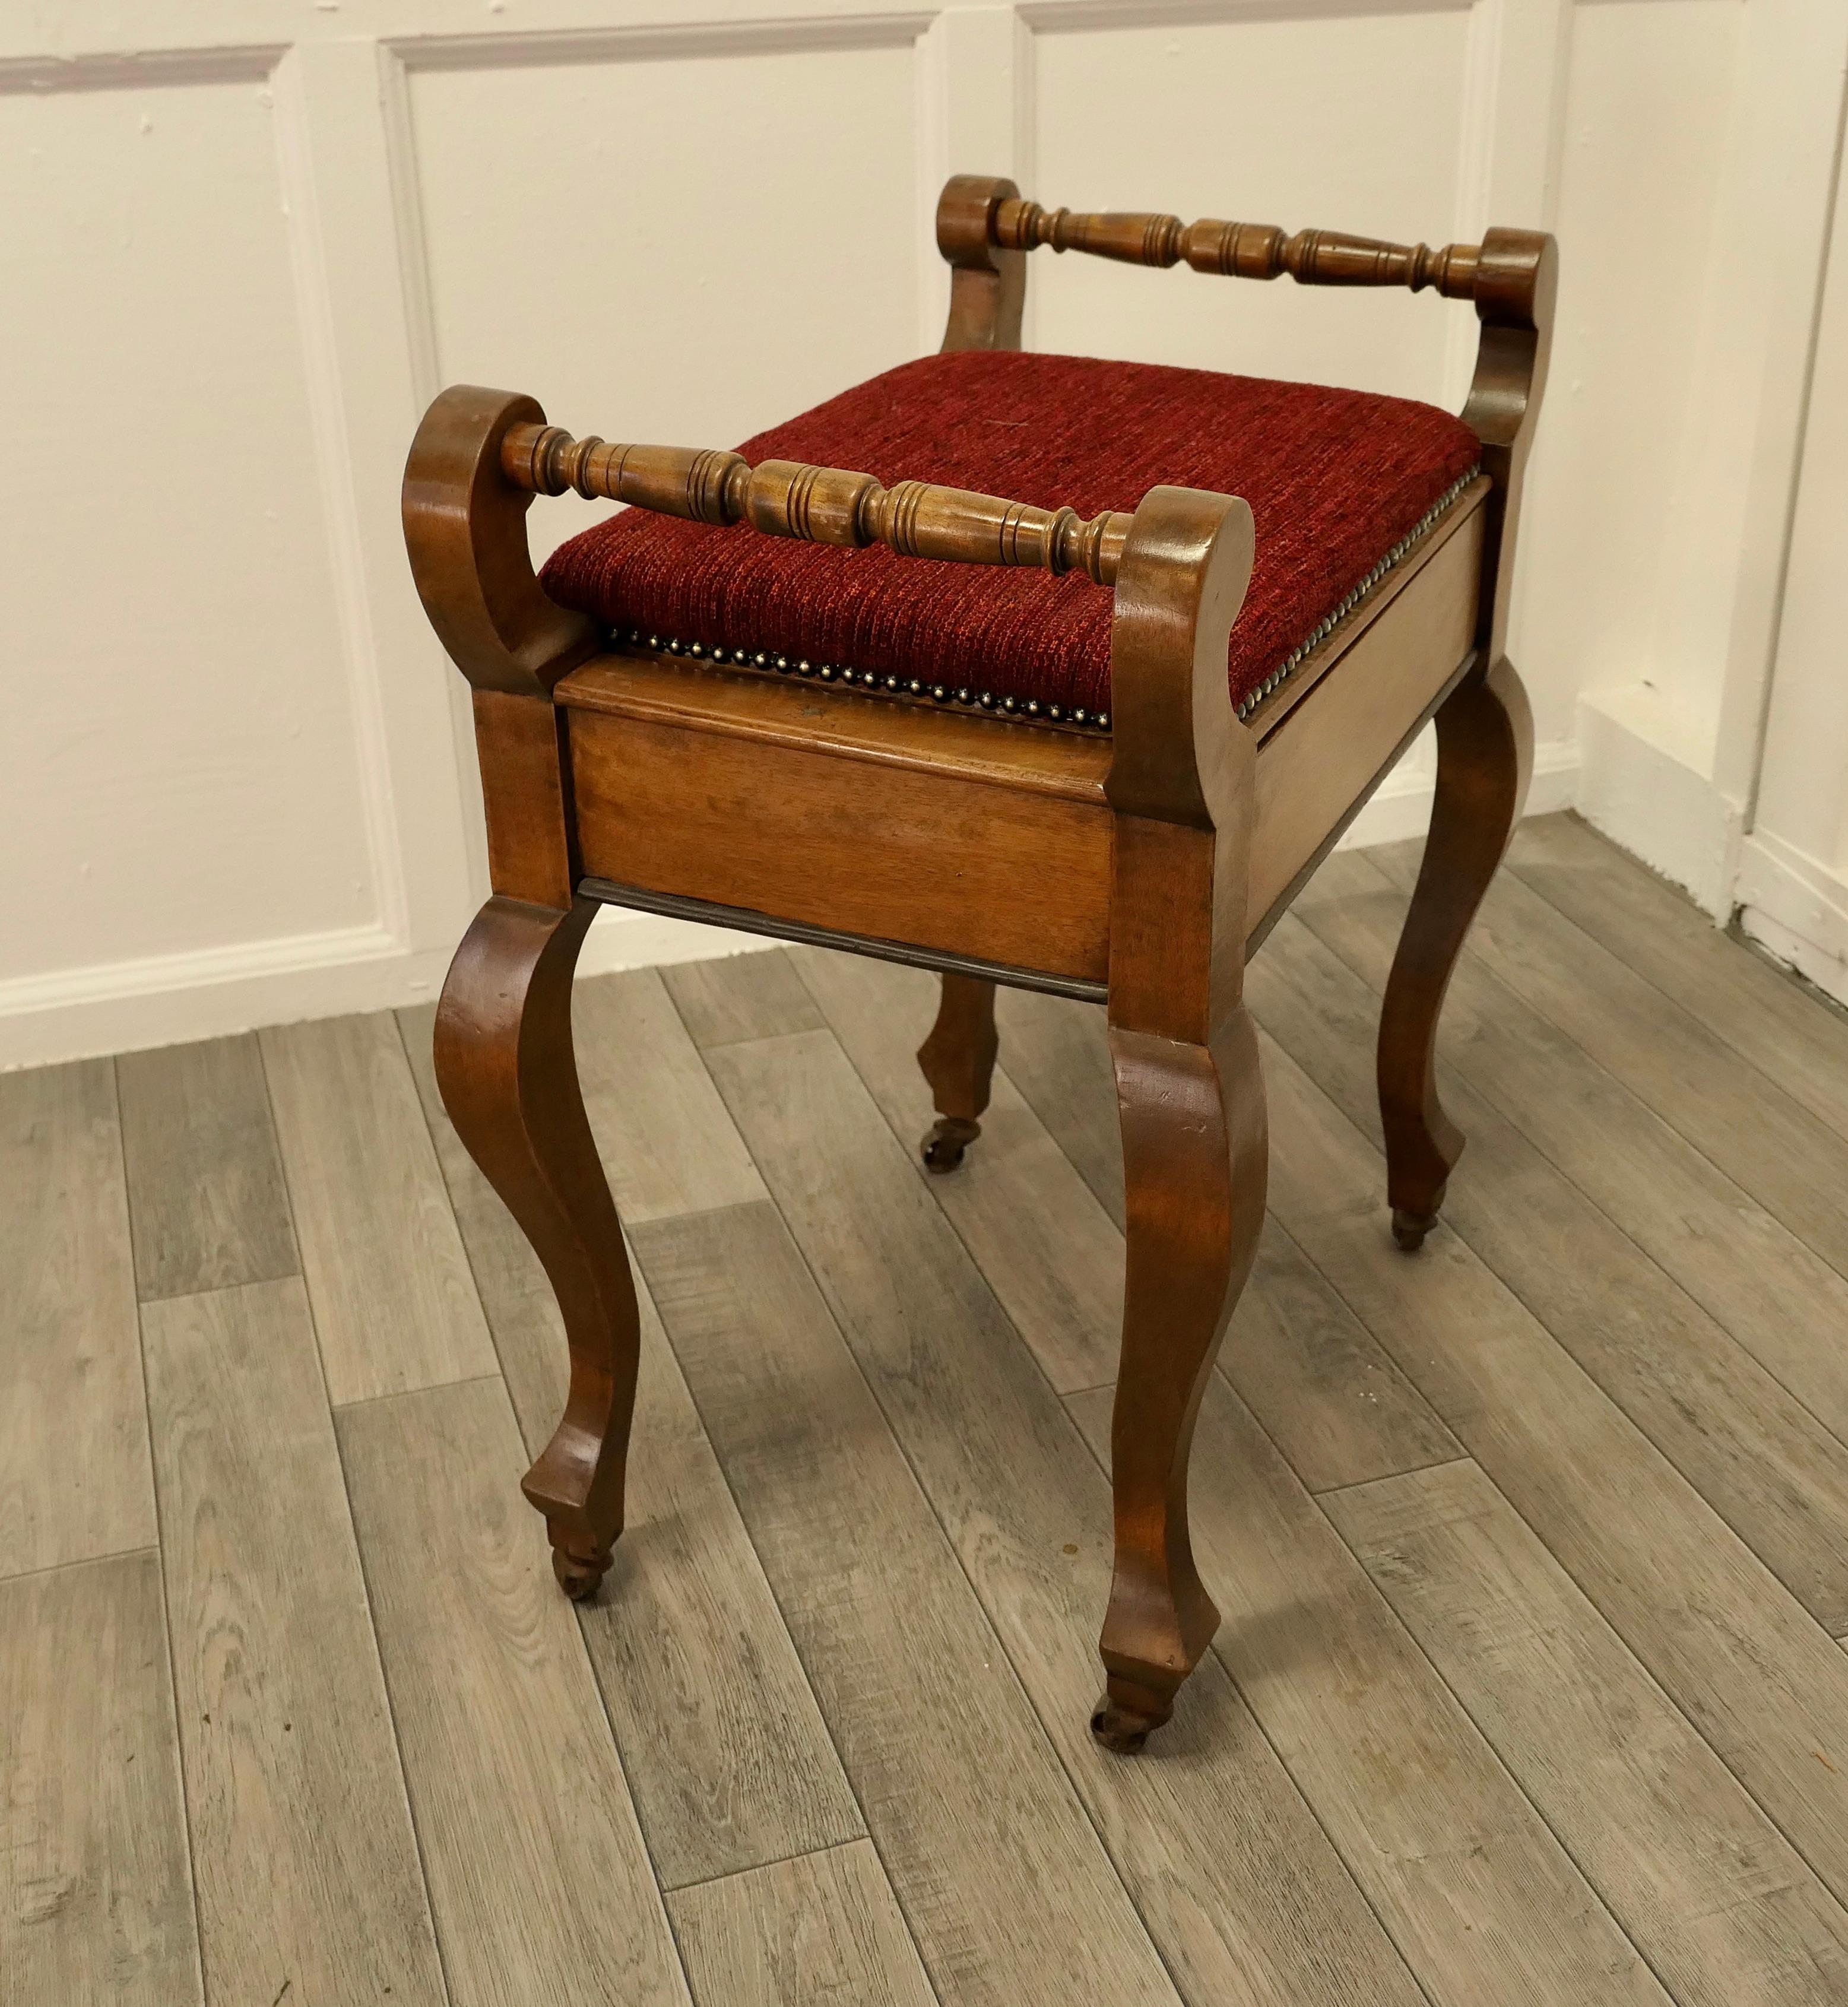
(1166, 850)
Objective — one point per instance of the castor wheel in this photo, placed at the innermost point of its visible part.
(1127, 1713)
(1408, 1229)
(944, 1145)
(578, 1577)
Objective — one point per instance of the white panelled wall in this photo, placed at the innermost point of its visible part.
(244, 241)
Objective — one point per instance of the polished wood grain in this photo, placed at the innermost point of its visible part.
(515, 1783)
(820, 1928)
(1485, 759)
(1240, 250)
(1455, 1862)
(206, 1197)
(95, 1891)
(818, 505)
(75, 1481)
(1321, 760)
(293, 1783)
(378, 1244)
(784, 831)
(508, 1073)
(988, 285)
(1189, 1091)
(691, 1632)
(1724, 1908)
(1214, 1830)
(1762, 1459)
(957, 1060)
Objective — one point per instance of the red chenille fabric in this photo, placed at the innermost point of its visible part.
(1336, 479)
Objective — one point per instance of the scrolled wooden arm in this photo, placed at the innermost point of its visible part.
(818, 505)
(1240, 250)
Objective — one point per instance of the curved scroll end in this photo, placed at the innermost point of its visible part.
(465, 530)
(1517, 284)
(1178, 754)
(988, 286)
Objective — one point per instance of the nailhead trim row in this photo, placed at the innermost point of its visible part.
(1028, 710)
(1422, 528)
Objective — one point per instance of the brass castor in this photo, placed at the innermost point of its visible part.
(1122, 1730)
(1408, 1229)
(944, 1145)
(1127, 1714)
(579, 1576)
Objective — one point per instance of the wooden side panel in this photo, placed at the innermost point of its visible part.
(930, 859)
(1313, 769)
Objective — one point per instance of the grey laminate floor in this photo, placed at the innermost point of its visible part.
(1533, 1548)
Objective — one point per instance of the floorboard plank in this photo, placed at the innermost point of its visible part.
(306, 1865)
(75, 1478)
(1058, 1053)
(1759, 1677)
(517, 1790)
(685, 1629)
(739, 997)
(1476, 1890)
(95, 1898)
(1718, 1900)
(1339, 1409)
(206, 1190)
(666, 1142)
(1769, 1018)
(1776, 1474)
(394, 1306)
(1763, 1138)
(1048, 1249)
(819, 1931)
(1239, 1889)
(988, 1852)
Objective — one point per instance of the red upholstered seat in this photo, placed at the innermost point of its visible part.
(1340, 483)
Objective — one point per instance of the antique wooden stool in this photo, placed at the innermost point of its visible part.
(1006, 775)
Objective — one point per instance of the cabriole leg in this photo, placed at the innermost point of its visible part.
(508, 1078)
(957, 1060)
(1194, 1155)
(1485, 756)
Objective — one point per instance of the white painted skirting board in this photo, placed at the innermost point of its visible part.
(125, 1006)
(1797, 908)
(169, 1000)
(1645, 793)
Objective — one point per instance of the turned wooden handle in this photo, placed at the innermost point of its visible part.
(819, 505)
(1240, 250)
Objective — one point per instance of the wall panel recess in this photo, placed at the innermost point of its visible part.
(1343, 121)
(174, 661)
(704, 237)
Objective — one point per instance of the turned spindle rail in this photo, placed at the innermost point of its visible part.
(818, 505)
(1240, 250)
